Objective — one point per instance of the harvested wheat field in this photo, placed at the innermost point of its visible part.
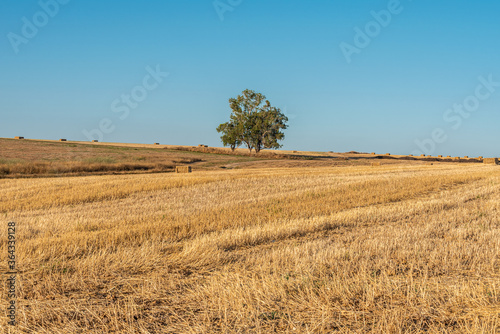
(393, 249)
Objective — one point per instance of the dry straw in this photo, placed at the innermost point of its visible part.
(18, 137)
(376, 164)
(183, 169)
(199, 245)
(492, 161)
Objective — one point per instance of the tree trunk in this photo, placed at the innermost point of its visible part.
(249, 146)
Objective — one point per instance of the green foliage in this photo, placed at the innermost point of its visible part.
(229, 135)
(253, 122)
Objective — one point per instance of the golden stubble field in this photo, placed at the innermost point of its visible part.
(391, 249)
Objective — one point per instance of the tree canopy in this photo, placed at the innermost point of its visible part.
(253, 122)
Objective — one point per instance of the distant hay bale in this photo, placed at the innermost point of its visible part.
(18, 137)
(373, 153)
(183, 169)
(410, 155)
(490, 161)
(294, 151)
(157, 143)
(448, 156)
(387, 154)
(480, 157)
(62, 139)
(95, 141)
(456, 158)
(422, 155)
(440, 156)
(466, 157)
(376, 164)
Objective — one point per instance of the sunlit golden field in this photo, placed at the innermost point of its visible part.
(390, 249)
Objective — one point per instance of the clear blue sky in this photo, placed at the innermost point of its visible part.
(63, 79)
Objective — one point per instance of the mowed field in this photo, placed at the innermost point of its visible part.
(34, 158)
(356, 249)
(50, 158)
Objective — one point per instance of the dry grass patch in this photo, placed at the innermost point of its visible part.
(31, 169)
(352, 250)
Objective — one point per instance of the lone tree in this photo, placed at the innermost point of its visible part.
(253, 122)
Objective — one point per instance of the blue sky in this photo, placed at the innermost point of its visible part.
(71, 73)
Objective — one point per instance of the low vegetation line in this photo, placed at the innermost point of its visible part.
(30, 169)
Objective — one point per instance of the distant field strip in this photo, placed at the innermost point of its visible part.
(401, 249)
